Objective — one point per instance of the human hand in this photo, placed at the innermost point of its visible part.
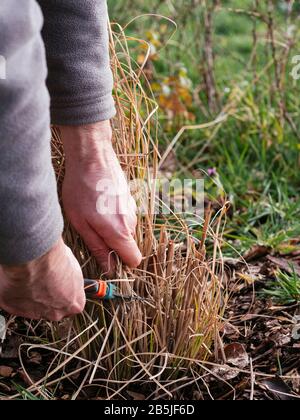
(96, 196)
(49, 288)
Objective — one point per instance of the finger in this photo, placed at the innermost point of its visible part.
(126, 248)
(132, 223)
(75, 266)
(132, 217)
(58, 316)
(101, 251)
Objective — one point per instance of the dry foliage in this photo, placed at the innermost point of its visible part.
(159, 343)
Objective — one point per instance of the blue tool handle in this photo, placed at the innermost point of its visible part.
(111, 290)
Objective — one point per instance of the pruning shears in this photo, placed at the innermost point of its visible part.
(102, 290)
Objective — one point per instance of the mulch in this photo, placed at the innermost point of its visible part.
(260, 357)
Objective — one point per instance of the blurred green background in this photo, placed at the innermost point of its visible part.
(214, 57)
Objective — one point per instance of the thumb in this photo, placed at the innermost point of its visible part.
(100, 251)
(127, 249)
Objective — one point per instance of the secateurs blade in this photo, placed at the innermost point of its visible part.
(102, 290)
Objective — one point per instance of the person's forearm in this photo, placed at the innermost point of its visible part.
(30, 216)
(77, 46)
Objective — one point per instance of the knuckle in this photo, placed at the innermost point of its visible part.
(123, 232)
(100, 254)
(76, 310)
(118, 233)
(78, 305)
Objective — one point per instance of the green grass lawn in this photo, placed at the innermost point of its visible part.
(255, 154)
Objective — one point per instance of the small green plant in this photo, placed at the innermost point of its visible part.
(285, 289)
(25, 394)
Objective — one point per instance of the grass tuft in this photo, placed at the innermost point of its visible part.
(285, 289)
(156, 346)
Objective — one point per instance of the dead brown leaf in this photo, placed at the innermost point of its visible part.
(136, 396)
(295, 381)
(35, 358)
(6, 371)
(4, 388)
(285, 265)
(10, 349)
(236, 355)
(278, 388)
(256, 252)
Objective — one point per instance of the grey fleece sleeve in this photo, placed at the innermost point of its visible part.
(80, 84)
(30, 216)
(77, 46)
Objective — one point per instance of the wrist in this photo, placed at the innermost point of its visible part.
(87, 148)
(86, 142)
(31, 271)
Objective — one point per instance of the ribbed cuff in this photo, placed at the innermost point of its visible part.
(81, 114)
(18, 251)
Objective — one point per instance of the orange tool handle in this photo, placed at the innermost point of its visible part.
(98, 289)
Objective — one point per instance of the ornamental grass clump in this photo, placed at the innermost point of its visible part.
(158, 347)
